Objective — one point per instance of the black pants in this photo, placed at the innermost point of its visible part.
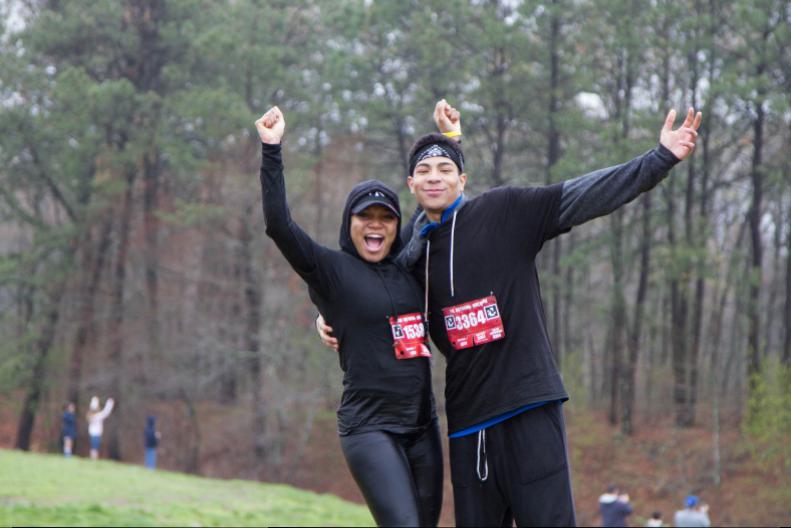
(400, 475)
(516, 470)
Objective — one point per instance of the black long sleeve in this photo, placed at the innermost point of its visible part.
(299, 249)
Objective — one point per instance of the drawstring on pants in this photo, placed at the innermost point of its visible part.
(481, 450)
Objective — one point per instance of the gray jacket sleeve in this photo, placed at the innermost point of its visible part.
(413, 242)
(603, 191)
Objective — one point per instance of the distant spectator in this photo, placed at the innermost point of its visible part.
(693, 515)
(69, 428)
(614, 507)
(151, 438)
(96, 423)
(655, 521)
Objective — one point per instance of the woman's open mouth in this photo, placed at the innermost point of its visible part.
(374, 243)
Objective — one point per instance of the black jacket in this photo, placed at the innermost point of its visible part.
(495, 242)
(150, 438)
(356, 298)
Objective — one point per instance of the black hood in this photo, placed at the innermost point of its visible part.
(361, 189)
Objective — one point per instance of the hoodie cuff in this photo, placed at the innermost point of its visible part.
(271, 153)
(268, 148)
(667, 156)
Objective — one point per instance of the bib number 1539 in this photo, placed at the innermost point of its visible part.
(409, 336)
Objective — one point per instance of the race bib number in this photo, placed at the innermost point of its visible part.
(473, 323)
(409, 336)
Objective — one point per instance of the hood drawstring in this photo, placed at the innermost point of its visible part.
(428, 256)
(387, 290)
(481, 449)
(452, 238)
(425, 298)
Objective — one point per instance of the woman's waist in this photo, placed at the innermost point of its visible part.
(385, 377)
(378, 407)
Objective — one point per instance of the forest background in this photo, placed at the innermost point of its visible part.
(134, 264)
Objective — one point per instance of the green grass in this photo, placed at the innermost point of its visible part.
(38, 490)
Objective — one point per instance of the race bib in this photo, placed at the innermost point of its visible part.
(409, 336)
(473, 323)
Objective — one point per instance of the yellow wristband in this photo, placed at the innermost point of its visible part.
(453, 133)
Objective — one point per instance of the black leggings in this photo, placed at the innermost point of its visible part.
(400, 475)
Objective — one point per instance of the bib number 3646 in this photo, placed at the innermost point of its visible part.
(473, 323)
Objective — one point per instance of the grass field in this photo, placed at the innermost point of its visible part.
(38, 489)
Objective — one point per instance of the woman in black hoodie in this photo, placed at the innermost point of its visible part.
(387, 420)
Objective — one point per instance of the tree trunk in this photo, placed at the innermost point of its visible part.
(115, 331)
(678, 318)
(151, 175)
(553, 155)
(623, 107)
(318, 188)
(145, 71)
(774, 286)
(192, 455)
(230, 299)
(501, 121)
(252, 297)
(569, 335)
(715, 368)
(692, 243)
(664, 329)
(618, 312)
(786, 356)
(93, 266)
(399, 129)
(628, 396)
(732, 384)
(41, 350)
(756, 269)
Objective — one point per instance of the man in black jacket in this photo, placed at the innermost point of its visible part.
(476, 260)
(503, 392)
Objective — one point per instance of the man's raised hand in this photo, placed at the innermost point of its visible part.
(681, 142)
(447, 118)
(271, 126)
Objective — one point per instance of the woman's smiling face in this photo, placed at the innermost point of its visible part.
(373, 232)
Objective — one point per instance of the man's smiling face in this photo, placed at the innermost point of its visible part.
(436, 184)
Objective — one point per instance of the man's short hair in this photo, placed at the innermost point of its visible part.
(453, 147)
